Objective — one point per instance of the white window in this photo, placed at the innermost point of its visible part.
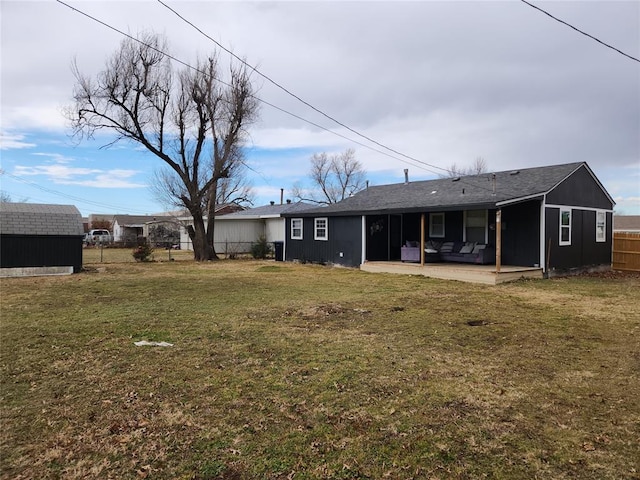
(601, 226)
(565, 226)
(436, 225)
(296, 229)
(320, 229)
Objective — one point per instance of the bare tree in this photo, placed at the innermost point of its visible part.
(478, 167)
(191, 119)
(334, 178)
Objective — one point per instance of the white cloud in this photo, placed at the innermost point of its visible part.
(61, 173)
(10, 141)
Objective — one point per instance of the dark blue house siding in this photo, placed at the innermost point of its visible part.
(343, 246)
(580, 189)
(17, 251)
(584, 251)
(520, 233)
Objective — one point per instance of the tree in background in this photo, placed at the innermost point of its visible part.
(478, 167)
(102, 225)
(334, 178)
(192, 119)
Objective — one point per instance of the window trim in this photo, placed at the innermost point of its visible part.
(431, 232)
(561, 242)
(603, 238)
(293, 228)
(316, 228)
(486, 224)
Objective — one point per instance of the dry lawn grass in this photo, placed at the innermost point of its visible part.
(299, 371)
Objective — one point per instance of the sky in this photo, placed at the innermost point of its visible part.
(439, 83)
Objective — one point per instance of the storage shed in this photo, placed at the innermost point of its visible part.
(38, 239)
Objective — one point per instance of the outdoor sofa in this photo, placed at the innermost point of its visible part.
(460, 252)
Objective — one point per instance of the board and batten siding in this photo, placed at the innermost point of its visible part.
(584, 251)
(582, 189)
(343, 246)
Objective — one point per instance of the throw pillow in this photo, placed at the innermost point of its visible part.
(466, 249)
(447, 247)
(477, 248)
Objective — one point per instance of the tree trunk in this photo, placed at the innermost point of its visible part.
(211, 219)
(202, 250)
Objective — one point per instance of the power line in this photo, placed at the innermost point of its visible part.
(286, 90)
(418, 163)
(580, 31)
(70, 197)
(333, 119)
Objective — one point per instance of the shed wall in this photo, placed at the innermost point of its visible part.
(41, 251)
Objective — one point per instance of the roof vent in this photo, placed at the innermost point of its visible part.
(514, 172)
(455, 179)
(272, 202)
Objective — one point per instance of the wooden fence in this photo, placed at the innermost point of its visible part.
(626, 251)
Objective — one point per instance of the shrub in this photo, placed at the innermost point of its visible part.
(143, 252)
(261, 249)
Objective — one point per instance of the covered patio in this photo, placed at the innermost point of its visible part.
(486, 274)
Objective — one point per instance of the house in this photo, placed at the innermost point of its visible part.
(626, 223)
(235, 232)
(554, 218)
(127, 228)
(37, 239)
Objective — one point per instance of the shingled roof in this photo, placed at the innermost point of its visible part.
(268, 211)
(487, 190)
(39, 219)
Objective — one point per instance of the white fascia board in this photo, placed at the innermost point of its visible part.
(505, 203)
(579, 207)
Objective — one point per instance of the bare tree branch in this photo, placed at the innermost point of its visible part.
(333, 178)
(191, 120)
(478, 167)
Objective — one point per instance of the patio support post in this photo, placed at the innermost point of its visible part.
(422, 240)
(498, 239)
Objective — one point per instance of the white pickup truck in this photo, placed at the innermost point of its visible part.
(98, 237)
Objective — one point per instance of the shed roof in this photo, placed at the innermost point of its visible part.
(40, 219)
(486, 190)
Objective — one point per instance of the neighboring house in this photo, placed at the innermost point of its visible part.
(235, 232)
(127, 228)
(38, 239)
(558, 218)
(626, 223)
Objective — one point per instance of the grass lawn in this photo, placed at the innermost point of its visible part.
(299, 371)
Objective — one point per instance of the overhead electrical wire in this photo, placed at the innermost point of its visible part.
(418, 163)
(407, 159)
(580, 31)
(289, 92)
(70, 197)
